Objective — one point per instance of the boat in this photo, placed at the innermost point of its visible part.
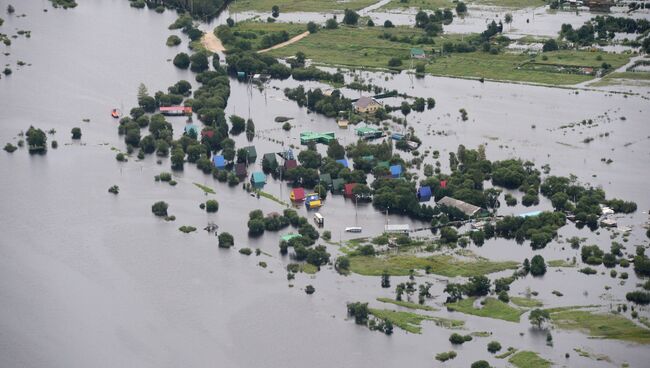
(115, 113)
(353, 229)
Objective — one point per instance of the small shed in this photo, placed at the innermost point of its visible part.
(258, 178)
(397, 136)
(297, 194)
(343, 123)
(251, 153)
(338, 185)
(443, 184)
(424, 194)
(326, 180)
(396, 171)
(417, 53)
(219, 162)
(347, 189)
(290, 164)
(270, 159)
(240, 170)
(343, 162)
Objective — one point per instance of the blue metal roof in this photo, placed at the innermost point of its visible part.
(219, 161)
(343, 162)
(424, 194)
(396, 171)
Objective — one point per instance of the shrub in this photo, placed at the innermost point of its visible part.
(226, 240)
(187, 229)
(331, 24)
(638, 297)
(394, 62)
(503, 296)
(493, 346)
(182, 60)
(457, 338)
(160, 208)
(445, 356)
(120, 157)
(211, 205)
(588, 271)
(173, 40)
(309, 289)
(537, 265)
(10, 148)
(76, 133)
(480, 364)
(246, 251)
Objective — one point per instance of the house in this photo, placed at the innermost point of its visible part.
(326, 180)
(219, 162)
(176, 110)
(338, 185)
(530, 214)
(396, 171)
(269, 160)
(417, 53)
(397, 229)
(251, 154)
(313, 137)
(368, 132)
(290, 164)
(343, 123)
(191, 129)
(240, 170)
(424, 194)
(258, 178)
(297, 194)
(367, 104)
(347, 189)
(443, 184)
(397, 136)
(466, 208)
(343, 162)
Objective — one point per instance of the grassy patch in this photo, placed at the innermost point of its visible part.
(299, 5)
(407, 304)
(560, 263)
(439, 4)
(529, 359)
(601, 325)
(506, 353)
(507, 66)
(272, 197)
(445, 265)
(493, 308)
(259, 29)
(526, 302)
(356, 47)
(308, 268)
(206, 189)
(407, 321)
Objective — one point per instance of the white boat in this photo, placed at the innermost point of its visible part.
(353, 229)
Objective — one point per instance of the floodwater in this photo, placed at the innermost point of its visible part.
(92, 279)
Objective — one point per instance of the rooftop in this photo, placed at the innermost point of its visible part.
(466, 208)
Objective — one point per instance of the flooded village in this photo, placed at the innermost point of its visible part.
(357, 183)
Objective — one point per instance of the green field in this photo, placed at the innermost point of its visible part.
(528, 359)
(259, 29)
(362, 48)
(560, 263)
(289, 6)
(407, 304)
(493, 308)
(439, 4)
(600, 325)
(356, 47)
(624, 79)
(525, 302)
(506, 66)
(411, 322)
(444, 265)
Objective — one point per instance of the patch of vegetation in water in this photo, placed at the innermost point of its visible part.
(445, 265)
(407, 304)
(492, 308)
(187, 229)
(526, 302)
(407, 321)
(506, 353)
(560, 263)
(206, 189)
(599, 325)
(65, 4)
(529, 359)
(262, 35)
(287, 6)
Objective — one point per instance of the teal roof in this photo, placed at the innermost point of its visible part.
(417, 51)
(258, 177)
(290, 236)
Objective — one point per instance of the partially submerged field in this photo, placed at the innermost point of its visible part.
(444, 265)
(600, 325)
(362, 47)
(299, 5)
(439, 4)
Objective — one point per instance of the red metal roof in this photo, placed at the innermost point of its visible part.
(176, 108)
(290, 164)
(298, 194)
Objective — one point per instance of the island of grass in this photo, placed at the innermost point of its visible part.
(411, 322)
(559, 263)
(288, 6)
(374, 47)
(443, 264)
(599, 325)
(526, 302)
(492, 308)
(205, 189)
(528, 359)
(441, 4)
(258, 35)
(409, 305)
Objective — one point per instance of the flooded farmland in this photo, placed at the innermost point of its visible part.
(92, 279)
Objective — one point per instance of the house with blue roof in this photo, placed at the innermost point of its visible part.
(219, 162)
(343, 162)
(396, 171)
